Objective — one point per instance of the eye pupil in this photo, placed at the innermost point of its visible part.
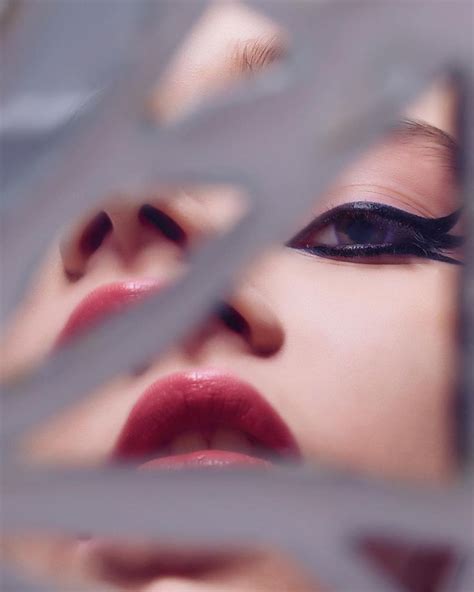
(358, 231)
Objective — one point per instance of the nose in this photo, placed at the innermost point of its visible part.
(249, 314)
(126, 227)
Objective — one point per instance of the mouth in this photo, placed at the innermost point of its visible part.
(103, 302)
(197, 419)
(200, 419)
(203, 419)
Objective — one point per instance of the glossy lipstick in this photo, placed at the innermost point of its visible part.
(103, 302)
(202, 402)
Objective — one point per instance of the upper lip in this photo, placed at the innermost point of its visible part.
(201, 401)
(103, 301)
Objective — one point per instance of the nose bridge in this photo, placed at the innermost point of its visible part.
(125, 224)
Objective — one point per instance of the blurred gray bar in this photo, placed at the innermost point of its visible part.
(314, 514)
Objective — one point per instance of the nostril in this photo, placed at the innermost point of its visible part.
(94, 233)
(158, 219)
(233, 319)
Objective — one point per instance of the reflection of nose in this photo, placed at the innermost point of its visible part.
(249, 314)
(127, 227)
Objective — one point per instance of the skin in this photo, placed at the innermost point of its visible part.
(359, 357)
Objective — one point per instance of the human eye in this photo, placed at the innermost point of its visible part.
(365, 229)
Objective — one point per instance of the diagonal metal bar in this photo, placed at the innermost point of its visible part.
(287, 508)
(61, 381)
(318, 504)
(422, 514)
(57, 182)
(12, 582)
(230, 131)
(31, 63)
(44, 89)
(111, 129)
(341, 569)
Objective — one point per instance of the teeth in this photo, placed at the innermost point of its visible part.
(188, 442)
(230, 440)
(222, 439)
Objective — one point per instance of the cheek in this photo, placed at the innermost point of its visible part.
(372, 352)
(34, 324)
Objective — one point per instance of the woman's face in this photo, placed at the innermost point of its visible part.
(355, 354)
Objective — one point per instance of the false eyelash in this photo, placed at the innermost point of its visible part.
(427, 237)
(354, 251)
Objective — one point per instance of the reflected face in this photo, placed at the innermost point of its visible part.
(342, 340)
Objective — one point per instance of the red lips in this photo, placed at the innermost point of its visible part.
(105, 301)
(202, 402)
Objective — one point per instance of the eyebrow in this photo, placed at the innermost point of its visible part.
(252, 55)
(438, 143)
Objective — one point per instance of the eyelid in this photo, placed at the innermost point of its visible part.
(441, 224)
(383, 194)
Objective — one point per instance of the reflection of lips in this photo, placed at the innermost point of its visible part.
(124, 563)
(202, 402)
(103, 302)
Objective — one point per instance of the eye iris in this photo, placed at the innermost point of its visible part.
(359, 231)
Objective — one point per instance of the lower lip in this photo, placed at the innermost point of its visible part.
(205, 459)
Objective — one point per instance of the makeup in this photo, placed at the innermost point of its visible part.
(180, 421)
(103, 302)
(369, 229)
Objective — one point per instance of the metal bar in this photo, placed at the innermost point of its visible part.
(231, 135)
(290, 509)
(56, 182)
(60, 380)
(272, 508)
